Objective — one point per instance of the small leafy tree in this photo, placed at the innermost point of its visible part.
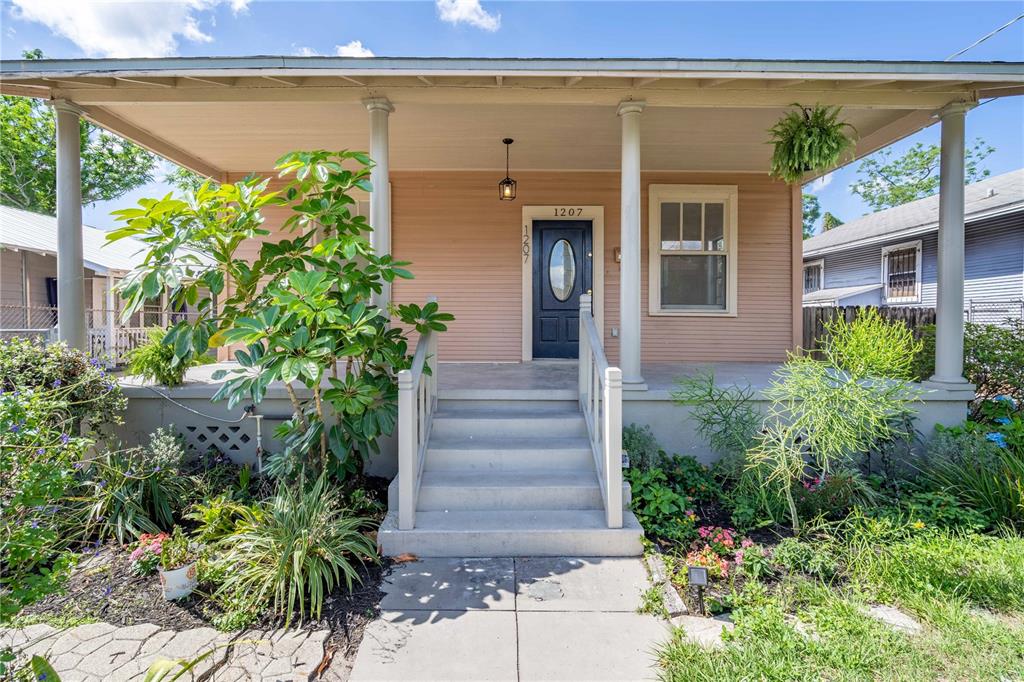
(885, 182)
(302, 311)
(811, 212)
(829, 222)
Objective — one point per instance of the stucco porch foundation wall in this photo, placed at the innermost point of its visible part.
(676, 430)
(151, 407)
(672, 424)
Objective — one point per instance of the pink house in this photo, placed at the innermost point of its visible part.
(645, 237)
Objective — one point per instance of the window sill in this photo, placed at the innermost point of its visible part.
(900, 301)
(691, 313)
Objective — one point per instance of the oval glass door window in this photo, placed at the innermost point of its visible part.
(562, 270)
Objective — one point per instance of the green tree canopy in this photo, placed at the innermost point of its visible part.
(111, 166)
(811, 212)
(885, 181)
(829, 221)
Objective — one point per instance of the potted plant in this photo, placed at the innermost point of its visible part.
(177, 566)
(810, 138)
(146, 557)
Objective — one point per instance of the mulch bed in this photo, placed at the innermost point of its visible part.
(103, 587)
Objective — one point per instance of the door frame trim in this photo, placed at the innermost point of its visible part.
(595, 214)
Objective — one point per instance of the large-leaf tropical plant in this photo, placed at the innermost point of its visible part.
(301, 313)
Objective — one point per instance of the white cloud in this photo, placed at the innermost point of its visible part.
(305, 51)
(353, 49)
(123, 29)
(821, 183)
(469, 12)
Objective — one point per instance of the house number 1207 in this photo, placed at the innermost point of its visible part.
(562, 212)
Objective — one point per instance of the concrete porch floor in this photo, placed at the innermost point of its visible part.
(512, 619)
(558, 375)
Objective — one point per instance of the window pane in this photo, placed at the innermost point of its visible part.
(812, 278)
(562, 270)
(902, 273)
(714, 227)
(691, 227)
(669, 225)
(693, 282)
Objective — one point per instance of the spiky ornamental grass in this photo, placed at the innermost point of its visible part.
(294, 549)
(810, 138)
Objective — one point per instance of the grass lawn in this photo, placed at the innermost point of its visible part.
(965, 590)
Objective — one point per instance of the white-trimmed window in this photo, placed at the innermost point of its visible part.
(814, 276)
(692, 256)
(901, 272)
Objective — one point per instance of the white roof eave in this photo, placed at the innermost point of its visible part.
(439, 66)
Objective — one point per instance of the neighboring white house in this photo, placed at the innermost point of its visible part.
(28, 283)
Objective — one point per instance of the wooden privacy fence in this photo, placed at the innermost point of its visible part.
(816, 317)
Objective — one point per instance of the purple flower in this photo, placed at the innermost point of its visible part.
(41, 451)
(102, 484)
(65, 439)
(15, 428)
(94, 362)
(79, 465)
(57, 383)
(107, 590)
(35, 523)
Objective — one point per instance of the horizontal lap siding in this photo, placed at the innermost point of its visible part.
(763, 327)
(466, 248)
(993, 262)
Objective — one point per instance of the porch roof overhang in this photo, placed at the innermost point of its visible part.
(222, 115)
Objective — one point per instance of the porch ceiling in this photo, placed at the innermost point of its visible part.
(242, 138)
(237, 115)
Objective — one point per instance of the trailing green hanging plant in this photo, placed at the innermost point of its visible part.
(811, 138)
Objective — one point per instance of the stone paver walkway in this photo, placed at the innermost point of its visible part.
(98, 651)
(512, 619)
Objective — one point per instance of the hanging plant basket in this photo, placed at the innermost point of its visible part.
(809, 139)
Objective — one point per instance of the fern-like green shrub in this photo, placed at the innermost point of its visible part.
(810, 138)
(292, 550)
(871, 346)
(156, 361)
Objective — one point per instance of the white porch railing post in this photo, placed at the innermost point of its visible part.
(110, 302)
(407, 437)
(612, 443)
(584, 361)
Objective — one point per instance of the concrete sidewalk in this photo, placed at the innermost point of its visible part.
(512, 619)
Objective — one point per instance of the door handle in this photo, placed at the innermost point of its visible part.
(590, 292)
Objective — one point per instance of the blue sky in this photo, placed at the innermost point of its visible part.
(790, 30)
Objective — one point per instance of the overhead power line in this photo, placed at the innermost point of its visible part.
(985, 37)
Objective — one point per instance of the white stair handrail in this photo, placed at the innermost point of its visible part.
(417, 400)
(600, 395)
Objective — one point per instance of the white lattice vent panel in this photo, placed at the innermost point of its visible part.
(224, 437)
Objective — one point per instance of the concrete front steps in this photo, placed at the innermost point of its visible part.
(508, 477)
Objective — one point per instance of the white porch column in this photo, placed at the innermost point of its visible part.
(949, 311)
(70, 268)
(629, 272)
(380, 109)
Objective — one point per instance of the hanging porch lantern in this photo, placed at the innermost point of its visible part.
(507, 187)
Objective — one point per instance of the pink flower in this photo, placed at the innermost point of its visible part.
(747, 542)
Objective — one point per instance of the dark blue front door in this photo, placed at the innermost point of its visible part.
(562, 271)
